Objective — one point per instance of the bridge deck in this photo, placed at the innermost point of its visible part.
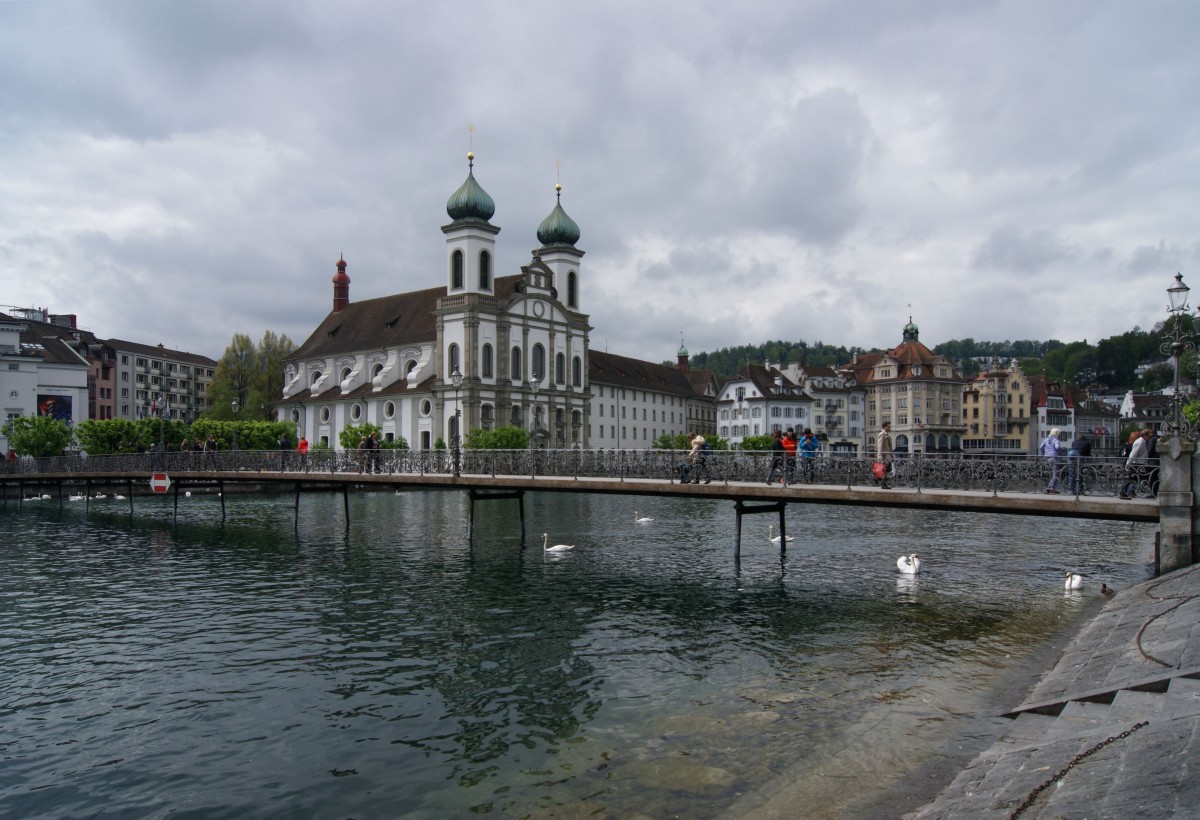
(1009, 503)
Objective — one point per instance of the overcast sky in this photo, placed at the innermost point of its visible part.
(178, 171)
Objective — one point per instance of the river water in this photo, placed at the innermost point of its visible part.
(262, 668)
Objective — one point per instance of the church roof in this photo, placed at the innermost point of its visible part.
(399, 319)
(558, 228)
(470, 201)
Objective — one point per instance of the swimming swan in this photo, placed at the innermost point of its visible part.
(909, 564)
(641, 519)
(556, 547)
(1074, 581)
(773, 538)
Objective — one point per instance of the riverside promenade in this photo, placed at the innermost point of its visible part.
(1112, 730)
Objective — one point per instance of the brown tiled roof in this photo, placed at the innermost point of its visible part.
(399, 319)
(609, 368)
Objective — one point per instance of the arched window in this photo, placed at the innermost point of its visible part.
(409, 367)
(487, 361)
(452, 362)
(560, 368)
(572, 287)
(516, 371)
(485, 270)
(456, 270)
(487, 416)
(376, 370)
(515, 416)
(539, 362)
(577, 372)
(346, 371)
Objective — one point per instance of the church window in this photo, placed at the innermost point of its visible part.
(409, 367)
(577, 372)
(539, 362)
(487, 361)
(516, 372)
(572, 287)
(452, 362)
(389, 410)
(456, 270)
(485, 270)
(375, 371)
(560, 369)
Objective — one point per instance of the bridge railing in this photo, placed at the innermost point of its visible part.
(953, 471)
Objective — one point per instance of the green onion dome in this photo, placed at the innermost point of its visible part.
(470, 201)
(558, 228)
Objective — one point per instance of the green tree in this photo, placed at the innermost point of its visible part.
(108, 436)
(350, 436)
(38, 436)
(502, 438)
(756, 443)
(252, 374)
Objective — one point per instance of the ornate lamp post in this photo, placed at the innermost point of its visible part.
(1179, 339)
(534, 384)
(456, 378)
(234, 405)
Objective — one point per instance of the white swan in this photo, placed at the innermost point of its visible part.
(118, 497)
(773, 538)
(556, 547)
(1074, 581)
(641, 519)
(75, 498)
(909, 564)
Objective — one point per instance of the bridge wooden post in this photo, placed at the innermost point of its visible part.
(741, 509)
(1179, 525)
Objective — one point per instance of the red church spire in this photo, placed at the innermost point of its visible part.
(341, 286)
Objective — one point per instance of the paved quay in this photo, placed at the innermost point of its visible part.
(1111, 731)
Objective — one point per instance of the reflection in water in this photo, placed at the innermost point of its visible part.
(390, 669)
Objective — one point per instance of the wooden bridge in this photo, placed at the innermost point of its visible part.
(1009, 487)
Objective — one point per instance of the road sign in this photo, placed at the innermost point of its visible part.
(159, 482)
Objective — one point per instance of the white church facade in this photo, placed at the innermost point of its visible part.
(491, 351)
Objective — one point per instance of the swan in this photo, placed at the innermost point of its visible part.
(1074, 581)
(641, 519)
(99, 496)
(118, 497)
(75, 498)
(773, 538)
(909, 564)
(556, 547)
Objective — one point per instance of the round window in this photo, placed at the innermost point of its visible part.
(296, 416)
(426, 407)
(356, 412)
(325, 414)
(389, 410)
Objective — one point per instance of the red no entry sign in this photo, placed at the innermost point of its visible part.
(159, 482)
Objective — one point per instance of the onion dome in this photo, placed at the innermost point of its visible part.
(558, 228)
(683, 351)
(470, 201)
(910, 331)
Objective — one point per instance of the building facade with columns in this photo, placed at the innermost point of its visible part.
(479, 351)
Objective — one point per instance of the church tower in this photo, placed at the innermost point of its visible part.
(558, 234)
(470, 238)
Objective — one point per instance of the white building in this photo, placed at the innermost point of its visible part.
(41, 375)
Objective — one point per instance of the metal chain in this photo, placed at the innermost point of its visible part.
(1033, 795)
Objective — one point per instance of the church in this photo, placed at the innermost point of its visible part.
(482, 351)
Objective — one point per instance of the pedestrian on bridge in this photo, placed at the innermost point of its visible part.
(808, 447)
(1135, 465)
(777, 456)
(883, 455)
(1051, 450)
(1081, 448)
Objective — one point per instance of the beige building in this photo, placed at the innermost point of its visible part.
(916, 390)
(997, 412)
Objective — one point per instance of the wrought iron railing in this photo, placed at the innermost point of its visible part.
(1087, 476)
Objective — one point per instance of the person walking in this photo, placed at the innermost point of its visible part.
(1081, 449)
(1051, 450)
(808, 447)
(699, 458)
(883, 455)
(1135, 465)
(789, 455)
(302, 451)
(777, 455)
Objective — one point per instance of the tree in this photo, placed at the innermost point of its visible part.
(252, 374)
(502, 438)
(350, 436)
(38, 436)
(756, 443)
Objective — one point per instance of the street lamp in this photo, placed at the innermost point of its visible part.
(234, 405)
(534, 384)
(1178, 340)
(456, 378)
(161, 402)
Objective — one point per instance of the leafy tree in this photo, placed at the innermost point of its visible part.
(682, 442)
(350, 436)
(108, 436)
(501, 438)
(253, 374)
(756, 443)
(38, 436)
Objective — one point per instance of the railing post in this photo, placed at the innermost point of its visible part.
(1178, 521)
